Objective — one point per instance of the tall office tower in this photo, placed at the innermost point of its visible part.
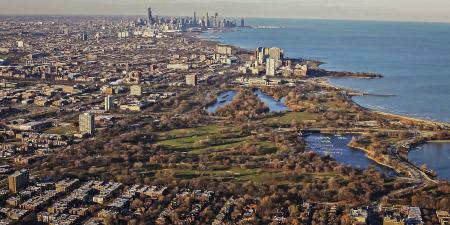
(109, 102)
(18, 180)
(195, 18)
(270, 67)
(276, 53)
(216, 17)
(87, 123)
(150, 16)
(260, 55)
(207, 19)
(242, 23)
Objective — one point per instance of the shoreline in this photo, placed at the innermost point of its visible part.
(325, 81)
(373, 159)
(438, 141)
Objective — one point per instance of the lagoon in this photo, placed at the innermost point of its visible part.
(223, 99)
(435, 155)
(336, 146)
(274, 105)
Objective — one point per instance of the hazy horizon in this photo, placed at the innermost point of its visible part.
(384, 10)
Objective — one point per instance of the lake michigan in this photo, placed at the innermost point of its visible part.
(414, 59)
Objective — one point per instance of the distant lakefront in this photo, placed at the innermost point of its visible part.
(414, 59)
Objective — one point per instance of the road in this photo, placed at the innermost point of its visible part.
(418, 178)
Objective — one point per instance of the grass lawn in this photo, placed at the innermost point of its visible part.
(287, 118)
(200, 140)
(61, 130)
(234, 174)
(258, 175)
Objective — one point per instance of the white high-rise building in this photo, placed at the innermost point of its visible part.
(276, 53)
(109, 102)
(87, 123)
(270, 67)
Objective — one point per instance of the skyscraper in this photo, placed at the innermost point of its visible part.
(195, 18)
(270, 67)
(150, 16)
(242, 23)
(87, 123)
(18, 180)
(109, 102)
(216, 17)
(276, 53)
(260, 55)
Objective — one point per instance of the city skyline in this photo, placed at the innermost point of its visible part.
(204, 115)
(400, 10)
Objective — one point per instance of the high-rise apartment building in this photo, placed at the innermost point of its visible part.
(18, 180)
(276, 53)
(260, 54)
(109, 102)
(270, 67)
(87, 123)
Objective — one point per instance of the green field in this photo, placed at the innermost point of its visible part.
(215, 138)
(61, 130)
(258, 175)
(287, 118)
(200, 140)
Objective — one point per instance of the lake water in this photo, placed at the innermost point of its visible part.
(435, 155)
(413, 57)
(269, 101)
(336, 147)
(223, 99)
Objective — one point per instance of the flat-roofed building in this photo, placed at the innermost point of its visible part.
(109, 102)
(276, 53)
(191, 79)
(18, 180)
(136, 90)
(270, 67)
(87, 123)
(224, 49)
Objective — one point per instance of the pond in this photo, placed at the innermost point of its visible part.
(436, 155)
(336, 146)
(223, 99)
(274, 105)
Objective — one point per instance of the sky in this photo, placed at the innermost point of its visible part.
(396, 10)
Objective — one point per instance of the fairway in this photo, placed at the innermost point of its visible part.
(205, 139)
(287, 118)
